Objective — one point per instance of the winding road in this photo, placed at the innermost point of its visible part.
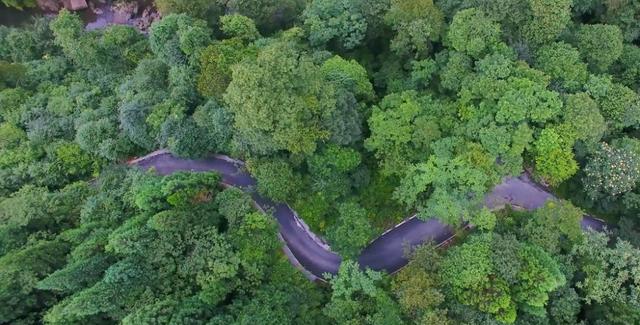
(386, 252)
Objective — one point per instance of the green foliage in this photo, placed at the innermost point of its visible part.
(564, 306)
(418, 287)
(619, 104)
(216, 59)
(467, 270)
(29, 42)
(538, 276)
(155, 102)
(198, 8)
(77, 275)
(626, 69)
(600, 45)
(395, 140)
(610, 272)
(358, 298)
(341, 20)
(473, 33)
(11, 136)
(457, 175)
(187, 139)
(562, 62)
(484, 220)
(276, 179)
(101, 138)
(118, 48)
(238, 26)
(352, 232)
(233, 204)
(214, 122)
(269, 15)
(11, 101)
(67, 29)
(554, 159)
(555, 227)
(330, 172)
(348, 75)
(174, 232)
(215, 65)
(548, 19)
(20, 271)
(583, 117)
(452, 76)
(172, 310)
(417, 24)
(178, 39)
(73, 160)
(279, 100)
(456, 96)
(476, 280)
(527, 100)
(19, 4)
(352, 83)
(11, 74)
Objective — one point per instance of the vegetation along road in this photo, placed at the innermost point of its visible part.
(385, 252)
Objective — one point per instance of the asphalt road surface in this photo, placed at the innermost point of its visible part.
(384, 253)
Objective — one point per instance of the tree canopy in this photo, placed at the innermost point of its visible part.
(355, 114)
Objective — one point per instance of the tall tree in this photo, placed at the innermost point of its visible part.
(395, 139)
(352, 232)
(554, 227)
(619, 105)
(555, 161)
(199, 9)
(178, 39)
(20, 271)
(583, 118)
(609, 277)
(477, 278)
(600, 45)
(279, 101)
(341, 21)
(417, 24)
(562, 62)
(358, 297)
(216, 59)
(548, 19)
(451, 184)
(473, 33)
(419, 288)
(269, 15)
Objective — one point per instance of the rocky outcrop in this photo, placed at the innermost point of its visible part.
(50, 5)
(149, 15)
(76, 5)
(123, 12)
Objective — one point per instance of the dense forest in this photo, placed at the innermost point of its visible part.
(358, 114)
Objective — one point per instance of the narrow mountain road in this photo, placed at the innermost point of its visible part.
(384, 253)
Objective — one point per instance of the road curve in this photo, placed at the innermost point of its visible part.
(385, 252)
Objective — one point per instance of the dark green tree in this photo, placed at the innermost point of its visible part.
(600, 45)
(358, 297)
(417, 24)
(352, 232)
(562, 62)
